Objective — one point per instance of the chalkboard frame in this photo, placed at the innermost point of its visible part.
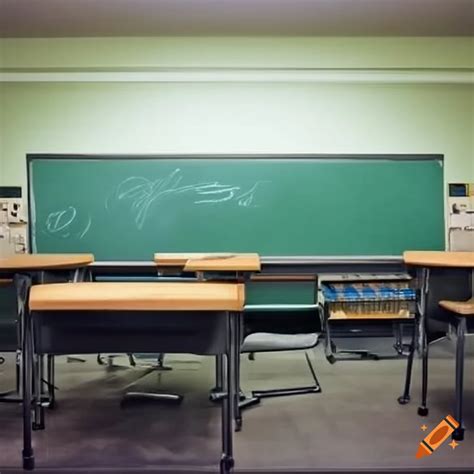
(30, 157)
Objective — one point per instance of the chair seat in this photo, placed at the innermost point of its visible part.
(267, 342)
(138, 296)
(464, 308)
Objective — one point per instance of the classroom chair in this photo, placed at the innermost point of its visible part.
(444, 284)
(462, 319)
(8, 317)
(8, 326)
(301, 336)
(261, 342)
(273, 329)
(277, 328)
(10, 337)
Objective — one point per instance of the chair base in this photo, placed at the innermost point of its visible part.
(132, 397)
(248, 402)
(159, 366)
(136, 397)
(11, 396)
(108, 361)
(71, 359)
(51, 405)
(216, 395)
(353, 355)
(284, 392)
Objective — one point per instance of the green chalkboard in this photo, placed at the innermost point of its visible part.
(127, 208)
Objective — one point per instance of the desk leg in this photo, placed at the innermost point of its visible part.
(458, 433)
(423, 338)
(238, 343)
(27, 379)
(405, 398)
(228, 403)
(38, 362)
(50, 382)
(217, 392)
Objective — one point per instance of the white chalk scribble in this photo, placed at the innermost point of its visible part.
(142, 193)
(65, 223)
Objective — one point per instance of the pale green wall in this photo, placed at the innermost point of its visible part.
(236, 117)
(414, 53)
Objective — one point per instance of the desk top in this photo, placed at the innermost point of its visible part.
(137, 296)
(41, 262)
(197, 262)
(439, 259)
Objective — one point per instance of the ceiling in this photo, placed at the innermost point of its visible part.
(76, 18)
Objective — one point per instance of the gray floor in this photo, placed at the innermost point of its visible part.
(354, 424)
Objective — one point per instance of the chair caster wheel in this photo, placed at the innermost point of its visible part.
(216, 397)
(52, 405)
(458, 434)
(403, 400)
(29, 463)
(226, 465)
(38, 426)
(423, 411)
(238, 425)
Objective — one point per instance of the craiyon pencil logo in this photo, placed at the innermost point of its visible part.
(437, 437)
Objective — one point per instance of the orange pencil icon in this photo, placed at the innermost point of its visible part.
(437, 436)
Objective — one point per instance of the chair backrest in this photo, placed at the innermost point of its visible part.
(445, 284)
(8, 316)
(282, 304)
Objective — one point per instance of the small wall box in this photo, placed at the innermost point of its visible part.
(461, 216)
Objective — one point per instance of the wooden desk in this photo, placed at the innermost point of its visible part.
(43, 262)
(138, 296)
(210, 262)
(439, 259)
(23, 268)
(427, 261)
(92, 317)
